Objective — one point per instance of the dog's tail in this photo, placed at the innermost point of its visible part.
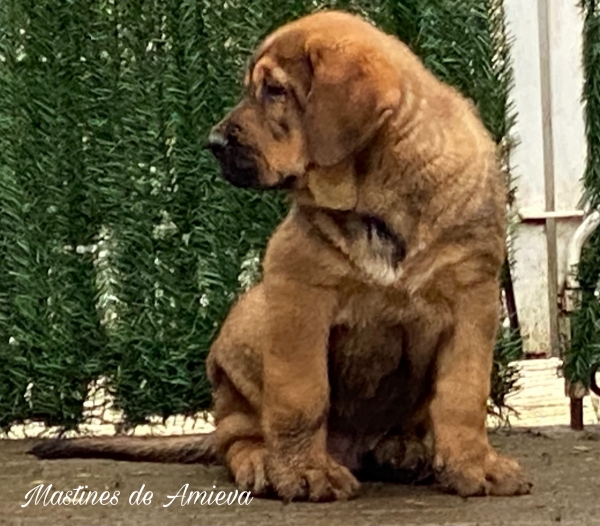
(190, 449)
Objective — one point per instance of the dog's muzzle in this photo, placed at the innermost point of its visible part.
(237, 160)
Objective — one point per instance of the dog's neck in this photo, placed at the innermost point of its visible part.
(366, 240)
(344, 190)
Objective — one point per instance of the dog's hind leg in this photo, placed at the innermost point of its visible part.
(278, 441)
(234, 368)
(239, 438)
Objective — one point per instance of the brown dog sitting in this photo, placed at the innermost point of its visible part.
(369, 341)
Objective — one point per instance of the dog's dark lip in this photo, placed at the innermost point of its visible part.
(288, 182)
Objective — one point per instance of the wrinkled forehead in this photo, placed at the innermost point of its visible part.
(290, 41)
(264, 66)
(282, 46)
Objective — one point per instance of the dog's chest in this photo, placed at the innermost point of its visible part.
(372, 248)
(376, 263)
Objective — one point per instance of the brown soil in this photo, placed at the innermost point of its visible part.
(565, 467)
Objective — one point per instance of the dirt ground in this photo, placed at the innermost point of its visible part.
(565, 467)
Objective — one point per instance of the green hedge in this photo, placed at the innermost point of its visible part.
(584, 351)
(121, 249)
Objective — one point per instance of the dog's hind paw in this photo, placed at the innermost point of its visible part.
(248, 469)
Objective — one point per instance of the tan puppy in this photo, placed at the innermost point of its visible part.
(370, 339)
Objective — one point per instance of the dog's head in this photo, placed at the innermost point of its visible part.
(315, 92)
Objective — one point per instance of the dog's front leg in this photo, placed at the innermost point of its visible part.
(465, 460)
(296, 393)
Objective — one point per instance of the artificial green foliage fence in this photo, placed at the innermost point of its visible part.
(584, 352)
(121, 249)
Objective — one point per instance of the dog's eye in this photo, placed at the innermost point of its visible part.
(274, 92)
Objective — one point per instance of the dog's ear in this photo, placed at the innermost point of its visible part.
(348, 101)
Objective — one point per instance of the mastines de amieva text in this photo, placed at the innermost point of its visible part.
(45, 495)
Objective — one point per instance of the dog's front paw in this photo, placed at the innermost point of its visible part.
(316, 480)
(489, 474)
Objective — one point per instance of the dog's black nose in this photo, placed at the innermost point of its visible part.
(217, 142)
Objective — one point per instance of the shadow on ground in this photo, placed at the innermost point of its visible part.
(565, 467)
